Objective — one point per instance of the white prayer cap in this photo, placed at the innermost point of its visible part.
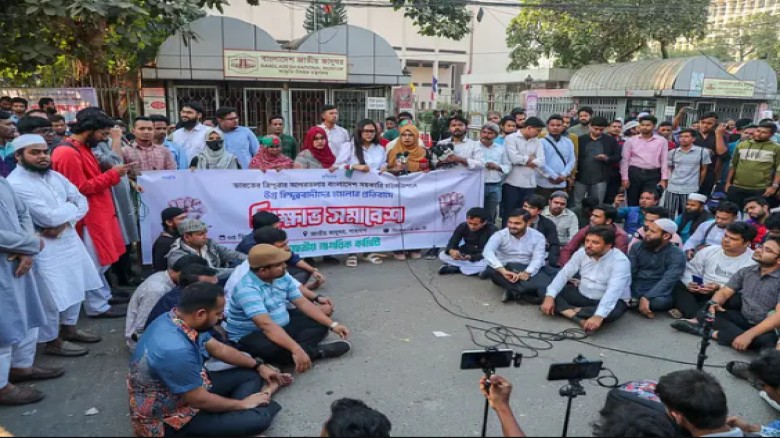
(698, 197)
(642, 114)
(667, 225)
(25, 140)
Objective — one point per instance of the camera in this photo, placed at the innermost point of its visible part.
(439, 153)
(489, 359)
(578, 369)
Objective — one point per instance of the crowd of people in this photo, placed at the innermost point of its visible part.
(587, 222)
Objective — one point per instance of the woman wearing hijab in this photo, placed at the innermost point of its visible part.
(214, 156)
(270, 156)
(407, 156)
(315, 153)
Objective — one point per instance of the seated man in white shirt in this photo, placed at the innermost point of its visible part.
(515, 256)
(711, 232)
(601, 294)
(711, 268)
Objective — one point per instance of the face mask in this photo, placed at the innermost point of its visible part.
(188, 124)
(214, 145)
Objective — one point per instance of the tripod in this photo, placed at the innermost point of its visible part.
(571, 391)
(489, 371)
(706, 325)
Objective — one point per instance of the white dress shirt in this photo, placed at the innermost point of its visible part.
(503, 248)
(607, 279)
(191, 142)
(469, 150)
(375, 157)
(495, 154)
(336, 137)
(519, 150)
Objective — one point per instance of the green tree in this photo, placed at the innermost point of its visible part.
(322, 13)
(443, 18)
(579, 32)
(752, 37)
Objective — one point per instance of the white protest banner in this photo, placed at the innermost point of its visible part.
(323, 213)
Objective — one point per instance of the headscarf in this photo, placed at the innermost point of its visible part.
(219, 159)
(325, 155)
(416, 153)
(263, 160)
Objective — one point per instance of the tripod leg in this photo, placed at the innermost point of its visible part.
(484, 418)
(566, 419)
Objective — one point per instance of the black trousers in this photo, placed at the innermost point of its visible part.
(536, 285)
(738, 195)
(307, 332)
(512, 198)
(613, 186)
(571, 298)
(639, 181)
(730, 324)
(236, 384)
(299, 274)
(687, 302)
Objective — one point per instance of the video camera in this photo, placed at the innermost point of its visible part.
(439, 153)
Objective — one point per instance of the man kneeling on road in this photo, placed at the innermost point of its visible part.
(515, 256)
(170, 391)
(602, 293)
(464, 250)
(258, 319)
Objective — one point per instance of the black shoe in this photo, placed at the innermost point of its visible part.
(507, 296)
(633, 303)
(531, 299)
(688, 327)
(118, 300)
(111, 313)
(448, 269)
(741, 370)
(432, 254)
(484, 275)
(332, 349)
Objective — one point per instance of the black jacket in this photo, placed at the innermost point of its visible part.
(550, 231)
(160, 249)
(473, 241)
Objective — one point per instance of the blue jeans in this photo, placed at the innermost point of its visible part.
(492, 200)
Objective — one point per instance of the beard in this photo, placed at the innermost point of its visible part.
(653, 244)
(188, 124)
(35, 168)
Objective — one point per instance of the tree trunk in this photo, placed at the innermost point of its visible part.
(664, 50)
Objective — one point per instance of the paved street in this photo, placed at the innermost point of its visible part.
(398, 366)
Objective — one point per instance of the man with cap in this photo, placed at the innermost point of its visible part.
(565, 220)
(526, 154)
(497, 166)
(259, 322)
(656, 267)
(687, 169)
(559, 159)
(194, 240)
(171, 218)
(64, 265)
(694, 215)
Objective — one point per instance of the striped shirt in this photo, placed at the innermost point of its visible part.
(253, 297)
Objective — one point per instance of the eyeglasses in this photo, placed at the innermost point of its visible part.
(765, 249)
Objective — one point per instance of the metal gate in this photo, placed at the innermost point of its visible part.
(207, 96)
(602, 106)
(548, 106)
(352, 107)
(305, 107)
(259, 105)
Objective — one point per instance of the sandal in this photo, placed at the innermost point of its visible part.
(415, 255)
(676, 314)
(374, 258)
(400, 257)
(352, 261)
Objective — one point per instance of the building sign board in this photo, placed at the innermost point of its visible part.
(727, 88)
(288, 66)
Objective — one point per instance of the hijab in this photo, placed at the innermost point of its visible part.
(219, 159)
(325, 155)
(416, 153)
(264, 160)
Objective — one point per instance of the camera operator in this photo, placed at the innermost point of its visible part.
(497, 390)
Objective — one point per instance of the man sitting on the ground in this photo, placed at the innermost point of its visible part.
(464, 250)
(194, 240)
(696, 402)
(190, 274)
(278, 238)
(149, 293)
(764, 372)
(534, 205)
(515, 257)
(711, 268)
(602, 292)
(564, 219)
(259, 220)
(652, 214)
(172, 394)
(633, 218)
(259, 322)
(747, 308)
(352, 418)
(710, 233)
(656, 266)
(695, 214)
(757, 211)
(605, 215)
(171, 218)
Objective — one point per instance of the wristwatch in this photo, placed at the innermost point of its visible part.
(776, 186)
(333, 325)
(316, 298)
(258, 363)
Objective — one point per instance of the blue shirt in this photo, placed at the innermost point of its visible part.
(242, 143)
(633, 219)
(553, 165)
(253, 297)
(178, 156)
(166, 354)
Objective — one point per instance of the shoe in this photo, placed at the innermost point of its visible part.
(688, 327)
(448, 270)
(415, 255)
(37, 373)
(330, 260)
(432, 254)
(741, 370)
(82, 336)
(118, 300)
(332, 349)
(66, 349)
(21, 395)
(112, 312)
(507, 296)
(771, 402)
(633, 303)
(530, 299)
